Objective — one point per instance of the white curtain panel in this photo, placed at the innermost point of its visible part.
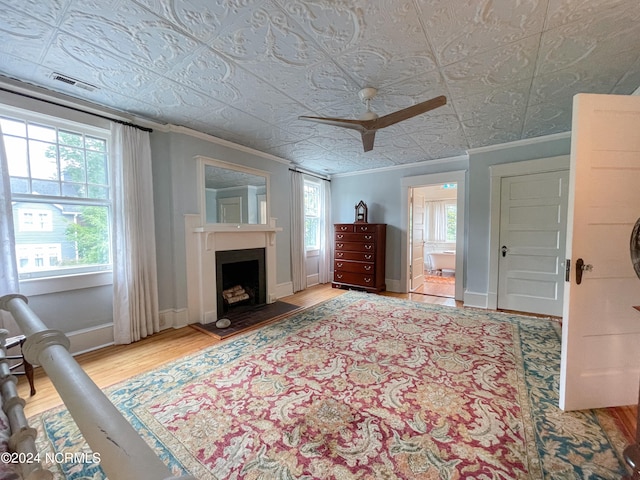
(135, 282)
(298, 253)
(324, 273)
(436, 221)
(9, 271)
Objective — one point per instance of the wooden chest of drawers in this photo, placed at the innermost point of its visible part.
(359, 256)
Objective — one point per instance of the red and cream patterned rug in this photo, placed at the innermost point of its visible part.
(366, 387)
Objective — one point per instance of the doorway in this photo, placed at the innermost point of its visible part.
(411, 274)
(433, 215)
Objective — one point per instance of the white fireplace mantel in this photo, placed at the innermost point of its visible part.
(202, 243)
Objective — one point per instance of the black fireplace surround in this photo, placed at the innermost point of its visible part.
(245, 268)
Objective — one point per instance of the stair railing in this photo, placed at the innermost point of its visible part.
(123, 453)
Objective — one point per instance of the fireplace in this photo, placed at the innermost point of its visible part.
(204, 243)
(240, 280)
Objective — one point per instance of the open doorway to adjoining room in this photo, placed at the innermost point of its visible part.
(432, 242)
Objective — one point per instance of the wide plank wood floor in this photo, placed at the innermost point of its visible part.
(110, 365)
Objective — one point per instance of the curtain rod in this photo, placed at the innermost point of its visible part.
(309, 173)
(121, 122)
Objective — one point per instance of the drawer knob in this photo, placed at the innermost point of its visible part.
(367, 280)
(339, 245)
(364, 229)
(340, 235)
(367, 267)
(339, 264)
(368, 247)
(343, 228)
(339, 254)
(368, 256)
(338, 275)
(368, 237)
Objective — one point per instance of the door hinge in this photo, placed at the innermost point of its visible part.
(567, 270)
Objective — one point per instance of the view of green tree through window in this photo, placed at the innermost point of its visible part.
(311, 215)
(61, 196)
(451, 211)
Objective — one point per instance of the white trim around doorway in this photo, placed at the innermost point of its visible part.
(458, 177)
(498, 172)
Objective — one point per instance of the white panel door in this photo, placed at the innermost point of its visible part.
(417, 239)
(601, 329)
(533, 219)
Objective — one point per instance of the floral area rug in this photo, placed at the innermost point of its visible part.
(365, 387)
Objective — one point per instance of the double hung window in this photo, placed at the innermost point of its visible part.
(60, 194)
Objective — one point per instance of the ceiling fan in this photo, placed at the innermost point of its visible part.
(369, 122)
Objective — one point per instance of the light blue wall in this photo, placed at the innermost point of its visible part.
(478, 213)
(176, 194)
(383, 194)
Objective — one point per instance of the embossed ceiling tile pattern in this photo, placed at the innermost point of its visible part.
(268, 43)
(22, 35)
(438, 144)
(203, 19)
(74, 57)
(459, 29)
(178, 102)
(495, 68)
(506, 101)
(562, 84)
(129, 31)
(561, 12)
(584, 44)
(243, 70)
(548, 118)
(49, 12)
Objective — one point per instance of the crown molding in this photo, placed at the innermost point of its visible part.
(521, 143)
(404, 166)
(225, 143)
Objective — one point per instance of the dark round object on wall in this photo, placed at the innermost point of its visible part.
(635, 247)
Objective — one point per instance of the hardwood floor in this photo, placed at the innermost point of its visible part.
(114, 364)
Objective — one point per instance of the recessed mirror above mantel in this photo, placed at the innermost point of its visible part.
(232, 194)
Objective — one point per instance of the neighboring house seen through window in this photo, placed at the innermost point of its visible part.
(60, 194)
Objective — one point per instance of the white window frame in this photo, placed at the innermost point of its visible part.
(81, 277)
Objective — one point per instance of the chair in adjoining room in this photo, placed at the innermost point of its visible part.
(27, 368)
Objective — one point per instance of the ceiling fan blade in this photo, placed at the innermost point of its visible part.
(360, 125)
(409, 112)
(368, 136)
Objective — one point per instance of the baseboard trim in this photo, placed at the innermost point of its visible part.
(89, 339)
(393, 285)
(284, 290)
(475, 299)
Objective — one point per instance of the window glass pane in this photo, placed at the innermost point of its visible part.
(99, 192)
(451, 223)
(70, 138)
(74, 189)
(19, 185)
(312, 232)
(72, 164)
(97, 168)
(311, 199)
(16, 149)
(41, 132)
(42, 157)
(60, 236)
(97, 144)
(42, 187)
(13, 127)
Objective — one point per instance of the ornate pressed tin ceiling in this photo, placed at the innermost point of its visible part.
(244, 70)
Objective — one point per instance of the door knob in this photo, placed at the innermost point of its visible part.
(504, 250)
(582, 267)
